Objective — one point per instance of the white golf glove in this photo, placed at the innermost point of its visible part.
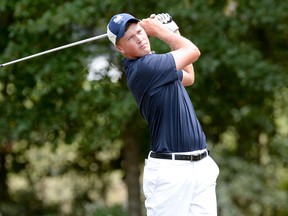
(166, 20)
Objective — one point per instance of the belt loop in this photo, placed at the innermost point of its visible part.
(149, 154)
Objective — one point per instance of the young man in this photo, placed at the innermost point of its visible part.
(179, 175)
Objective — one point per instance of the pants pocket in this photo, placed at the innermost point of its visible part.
(150, 177)
(214, 167)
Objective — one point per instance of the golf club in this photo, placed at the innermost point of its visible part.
(55, 49)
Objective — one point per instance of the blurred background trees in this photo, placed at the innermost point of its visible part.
(72, 141)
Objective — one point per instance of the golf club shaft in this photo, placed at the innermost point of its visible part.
(55, 49)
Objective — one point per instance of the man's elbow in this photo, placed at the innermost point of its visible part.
(188, 81)
(194, 54)
(197, 54)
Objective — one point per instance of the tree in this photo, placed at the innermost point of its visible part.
(240, 95)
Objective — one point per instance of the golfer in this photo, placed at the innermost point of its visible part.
(179, 175)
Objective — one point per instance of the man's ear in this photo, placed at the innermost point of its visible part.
(120, 49)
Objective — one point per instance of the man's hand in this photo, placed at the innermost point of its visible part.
(153, 27)
(166, 20)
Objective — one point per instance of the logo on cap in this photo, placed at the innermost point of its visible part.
(118, 19)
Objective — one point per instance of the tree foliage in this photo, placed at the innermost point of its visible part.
(240, 96)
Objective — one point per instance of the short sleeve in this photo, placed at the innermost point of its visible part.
(156, 70)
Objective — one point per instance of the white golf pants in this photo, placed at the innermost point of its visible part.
(180, 188)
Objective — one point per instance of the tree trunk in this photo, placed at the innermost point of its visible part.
(4, 196)
(132, 172)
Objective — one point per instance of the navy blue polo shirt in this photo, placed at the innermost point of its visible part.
(164, 103)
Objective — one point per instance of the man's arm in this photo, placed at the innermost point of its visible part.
(188, 72)
(184, 51)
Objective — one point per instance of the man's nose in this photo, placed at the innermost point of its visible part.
(139, 38)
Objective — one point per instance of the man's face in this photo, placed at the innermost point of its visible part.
(135, 42)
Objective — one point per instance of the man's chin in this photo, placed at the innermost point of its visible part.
(146, 51)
